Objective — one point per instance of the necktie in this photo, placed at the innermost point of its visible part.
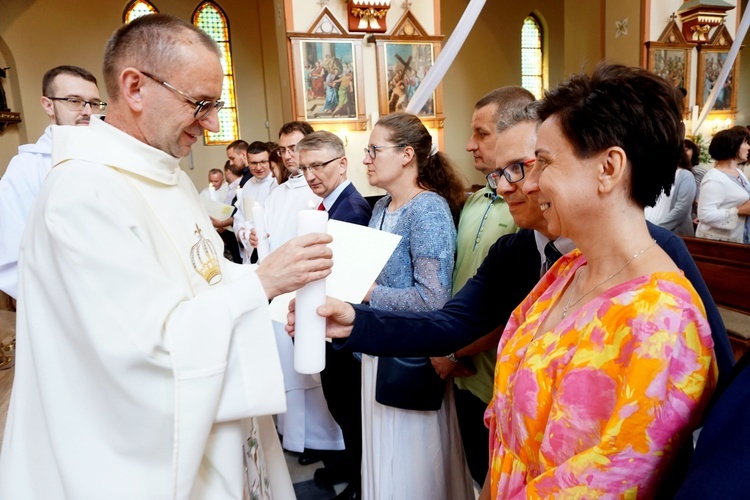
(321, 206)
(551, 254)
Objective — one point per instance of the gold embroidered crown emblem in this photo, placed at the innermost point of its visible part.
(204, 259)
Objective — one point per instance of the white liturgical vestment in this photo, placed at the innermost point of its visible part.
(143, 359)
(19, 187)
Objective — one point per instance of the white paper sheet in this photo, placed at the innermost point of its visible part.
(359, 254)
(217, 209)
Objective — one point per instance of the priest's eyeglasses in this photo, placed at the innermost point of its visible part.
(77, 104)
(317, 166)
(512, 173)
(202, 108)
(372, 151)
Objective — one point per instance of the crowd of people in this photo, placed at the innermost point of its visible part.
(154, 369)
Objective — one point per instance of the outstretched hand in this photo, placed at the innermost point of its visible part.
(339, 318)
(296, 263)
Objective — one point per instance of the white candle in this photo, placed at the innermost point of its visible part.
(212, 192)
(259, 220)
(248, 202)
(238, 203)
(309, 328)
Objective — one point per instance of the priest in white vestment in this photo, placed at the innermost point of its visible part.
(146, 363)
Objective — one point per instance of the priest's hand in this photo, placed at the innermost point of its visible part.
(296, 263)
(339, 318)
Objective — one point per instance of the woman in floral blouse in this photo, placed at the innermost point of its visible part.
(605, 368)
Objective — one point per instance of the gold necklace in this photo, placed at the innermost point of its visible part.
(568, 305)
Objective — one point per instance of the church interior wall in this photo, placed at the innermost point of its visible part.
(36, 35)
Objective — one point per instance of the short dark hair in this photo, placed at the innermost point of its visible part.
(726, 143)
(49, 77)
(257, 147)
(507, 101)
(214, 171)
(695, 158)
(239, 145)
(303, 127)
(627, 107)
(154, 43)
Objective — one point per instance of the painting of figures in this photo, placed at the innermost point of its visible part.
(329, 75)
(711, 64)
(406, 65)
(671, 65)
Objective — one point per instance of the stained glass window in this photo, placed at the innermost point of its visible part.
(138, 8)
(210, 18)
(532, 66)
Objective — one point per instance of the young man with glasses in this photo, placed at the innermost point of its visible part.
(149, 367)
(258, 188)
(69, 97)
(307, 426)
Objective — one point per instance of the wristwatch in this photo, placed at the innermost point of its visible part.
(452, 357)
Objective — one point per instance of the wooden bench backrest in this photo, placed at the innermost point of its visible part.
(726, 269)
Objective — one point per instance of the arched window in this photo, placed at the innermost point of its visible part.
(138, 8)
(210, 18)
(532, 65)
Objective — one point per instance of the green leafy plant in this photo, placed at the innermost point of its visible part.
(702, 147)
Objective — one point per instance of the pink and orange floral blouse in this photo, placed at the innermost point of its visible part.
(597, 406)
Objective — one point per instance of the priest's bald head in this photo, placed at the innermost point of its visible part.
(164, 81)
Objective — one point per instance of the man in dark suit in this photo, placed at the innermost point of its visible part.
(322, 160)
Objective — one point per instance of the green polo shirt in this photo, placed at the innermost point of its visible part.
(484, 218)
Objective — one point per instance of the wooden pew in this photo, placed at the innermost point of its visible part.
(726, 269)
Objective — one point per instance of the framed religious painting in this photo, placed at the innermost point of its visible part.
(711, 61)
(328, 81)
(402, 65)
(671, 62)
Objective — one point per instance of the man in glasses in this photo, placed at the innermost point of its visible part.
(258, 187)
(146, 362)
(323, 162)
(237, 157)
(307, 426)
(69, 97)
(484, 218)
(512, 267)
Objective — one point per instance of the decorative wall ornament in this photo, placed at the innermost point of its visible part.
(621, 27)
(368, 16)
(6, 115)
(699, 17)
(327, 24)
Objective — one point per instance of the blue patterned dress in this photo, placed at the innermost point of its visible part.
(405, 453)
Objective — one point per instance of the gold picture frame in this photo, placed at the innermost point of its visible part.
(328, 81)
